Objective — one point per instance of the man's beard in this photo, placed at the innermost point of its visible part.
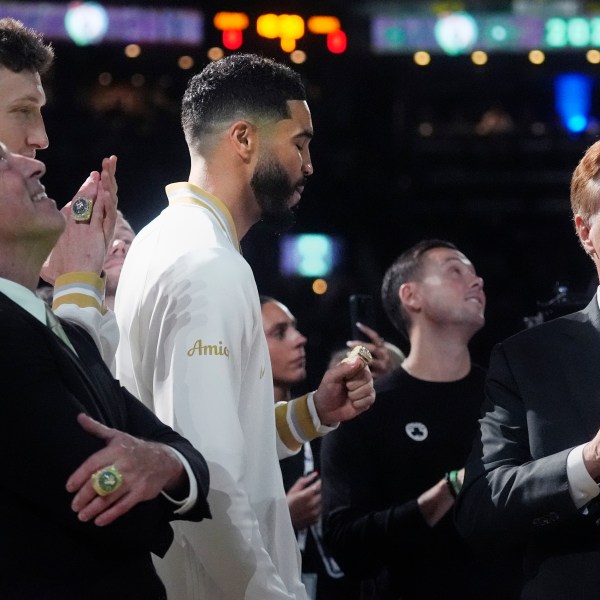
(273, 190)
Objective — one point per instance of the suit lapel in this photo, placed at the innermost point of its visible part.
(76, 377)
(68, 365)
(582, 365)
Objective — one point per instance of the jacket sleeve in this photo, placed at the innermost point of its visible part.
(510, 492)
(144, 424)
(79, 298)
(46, 443)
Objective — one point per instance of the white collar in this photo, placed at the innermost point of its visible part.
(25, 298)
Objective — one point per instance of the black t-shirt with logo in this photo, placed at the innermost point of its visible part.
(373, 470)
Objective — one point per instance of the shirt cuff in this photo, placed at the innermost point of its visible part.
(582, 486)
(84, 289)
(187, 503)
(298, 422)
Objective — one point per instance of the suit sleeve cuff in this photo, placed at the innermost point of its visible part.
(83, 289)
(187, 503)
(582, 486)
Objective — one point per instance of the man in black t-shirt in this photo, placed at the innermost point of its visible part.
(390, 477)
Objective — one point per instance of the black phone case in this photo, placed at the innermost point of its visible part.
(362, 309)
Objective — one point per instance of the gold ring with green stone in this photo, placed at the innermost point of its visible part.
(107, 480)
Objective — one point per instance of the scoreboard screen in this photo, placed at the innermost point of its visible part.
(461, 32)
(92, 23)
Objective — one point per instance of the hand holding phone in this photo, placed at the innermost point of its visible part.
(362, 310)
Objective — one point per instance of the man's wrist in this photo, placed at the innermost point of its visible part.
(453, 483)
(321, 428)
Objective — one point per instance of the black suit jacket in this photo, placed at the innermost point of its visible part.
(45, 551)
(542, 400)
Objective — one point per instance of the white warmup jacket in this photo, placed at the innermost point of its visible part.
(192, 348)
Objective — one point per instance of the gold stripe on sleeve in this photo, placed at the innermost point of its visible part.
(283, 427)
(301, 419)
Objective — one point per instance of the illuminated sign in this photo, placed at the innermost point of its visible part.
(573, 100)
(459, 33)
(288, 28)
(86, 23)
(90, 22)
(308, 254)
(232, 24)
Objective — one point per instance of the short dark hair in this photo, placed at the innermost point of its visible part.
(238, 86)
(407, 267)
(266, 299)
(22, 48)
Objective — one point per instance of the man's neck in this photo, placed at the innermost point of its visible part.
(435, 358)
(234, 193)
(22, 267)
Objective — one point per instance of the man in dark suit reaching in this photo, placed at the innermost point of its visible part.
(532, 478)
(90, 477)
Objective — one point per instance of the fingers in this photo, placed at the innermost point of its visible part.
(303, 481)
(108, 178)
(95, 428)
(88, 504)
(145, 468)
(108, 192)
(311, 495)
(89, 188)
(103, 510)
(96, 461)
(361, 392)
(117, 509)
(371, 334)
(347, 369)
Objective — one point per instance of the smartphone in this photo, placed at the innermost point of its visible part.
(362, 309)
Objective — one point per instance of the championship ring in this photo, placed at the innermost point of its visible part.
(107, 480)
(363, 352)
(81, 209)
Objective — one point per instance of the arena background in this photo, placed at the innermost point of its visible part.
(475, 154)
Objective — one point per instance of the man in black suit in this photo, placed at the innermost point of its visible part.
(532, 477)
(90, 478)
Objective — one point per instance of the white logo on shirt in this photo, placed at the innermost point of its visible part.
(416, 431)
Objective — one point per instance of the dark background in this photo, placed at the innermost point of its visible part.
(380, 184)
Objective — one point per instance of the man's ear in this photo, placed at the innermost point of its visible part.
(408, 296)
(583, 228)
(242, 135)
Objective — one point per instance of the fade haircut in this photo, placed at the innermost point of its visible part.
(22, 48)
(585, 184)
(266, 299)
(240, 86)
(407, 267)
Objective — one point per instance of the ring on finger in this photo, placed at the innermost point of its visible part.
(107, 480)
(82, 209)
